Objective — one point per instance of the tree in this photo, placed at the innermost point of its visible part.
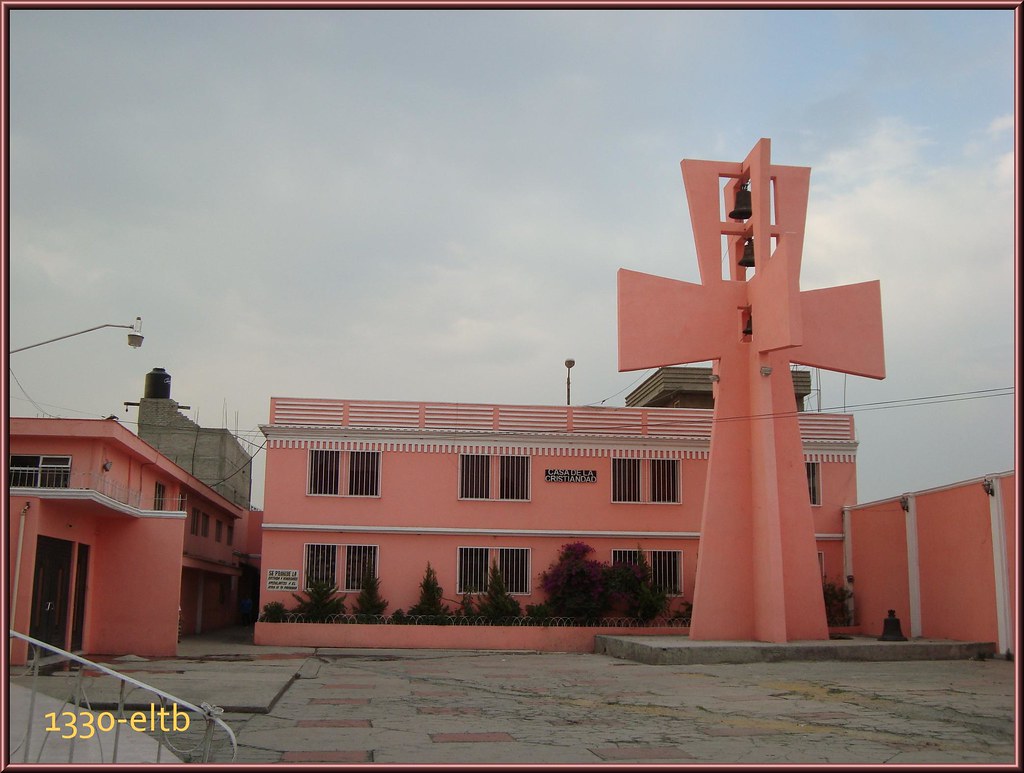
(496, 603)
(369, 602)
(431, 593)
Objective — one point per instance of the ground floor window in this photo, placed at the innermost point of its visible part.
(474, 568)
(359, 559)
(666, 567)
(321, 564)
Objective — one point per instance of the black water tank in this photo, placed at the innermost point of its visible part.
(158, 384)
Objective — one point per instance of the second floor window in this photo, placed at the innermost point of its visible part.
(40, 471)
(158, 496)
(348, 473)
(814, 481)
(193, 526)
(206, 524)
(645, 480)
(218, 530)
(476, 472)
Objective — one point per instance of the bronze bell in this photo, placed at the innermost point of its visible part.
(749, 329)
(891, 628)
(742, 211)
(747, 261)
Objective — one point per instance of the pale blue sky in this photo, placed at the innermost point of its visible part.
(432, 205)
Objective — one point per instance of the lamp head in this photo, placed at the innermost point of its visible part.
(135, 335)
(569, 363)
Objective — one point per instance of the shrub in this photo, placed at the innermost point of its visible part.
(430, 603)
(321, 601)
(369, 602)
(496, 603)
(836, 597)
(273, 612)
(632, 586)
(575, 584)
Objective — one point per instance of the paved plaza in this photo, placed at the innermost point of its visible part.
(300, 705)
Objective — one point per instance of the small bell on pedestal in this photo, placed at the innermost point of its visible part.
(891, 628)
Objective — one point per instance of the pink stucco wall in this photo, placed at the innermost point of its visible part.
(955, 573)
(137, 546)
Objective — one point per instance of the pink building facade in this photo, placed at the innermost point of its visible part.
(401, 484)
(943, 558)
(112, 546)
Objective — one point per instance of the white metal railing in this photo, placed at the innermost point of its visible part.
(91, 481)
(203, 737)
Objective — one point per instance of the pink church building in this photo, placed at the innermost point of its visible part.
(114, 549)
(401, 484)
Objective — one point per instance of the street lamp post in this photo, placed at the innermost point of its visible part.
(568, 367)
(134, 337)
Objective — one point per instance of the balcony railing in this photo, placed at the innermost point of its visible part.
(204, 737)
(28, 477)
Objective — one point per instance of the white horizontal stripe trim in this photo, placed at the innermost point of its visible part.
(456, 530)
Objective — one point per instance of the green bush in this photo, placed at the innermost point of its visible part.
(321, 602)
(431, 595)
(837, 612)
(273, 612)
(369, 602)
(496, 603)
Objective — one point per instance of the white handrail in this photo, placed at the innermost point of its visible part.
(208, 711)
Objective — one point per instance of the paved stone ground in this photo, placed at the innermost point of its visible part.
(485, 707)
(415, 707)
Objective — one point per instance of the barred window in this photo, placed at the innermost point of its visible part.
(666, 567)
(324, 468)
(40, 471)
(321, 564)
(359, 559)
(474, 476)
(193, 527)
(364, 474)
(664, 480)
(625, 480)
(474, 569)
(182, 501)
(515, 477)
(158, 496)
(645, 480)
(814, 481)
(514, 565)
(360, 470)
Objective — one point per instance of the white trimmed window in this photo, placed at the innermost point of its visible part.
(321, 564)
(159, 494)
(360, 470)
(358, 560)
(480, 478)
(666, 567)
(474, 568)
(814, 481)
(646, 480)
(40, 471)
